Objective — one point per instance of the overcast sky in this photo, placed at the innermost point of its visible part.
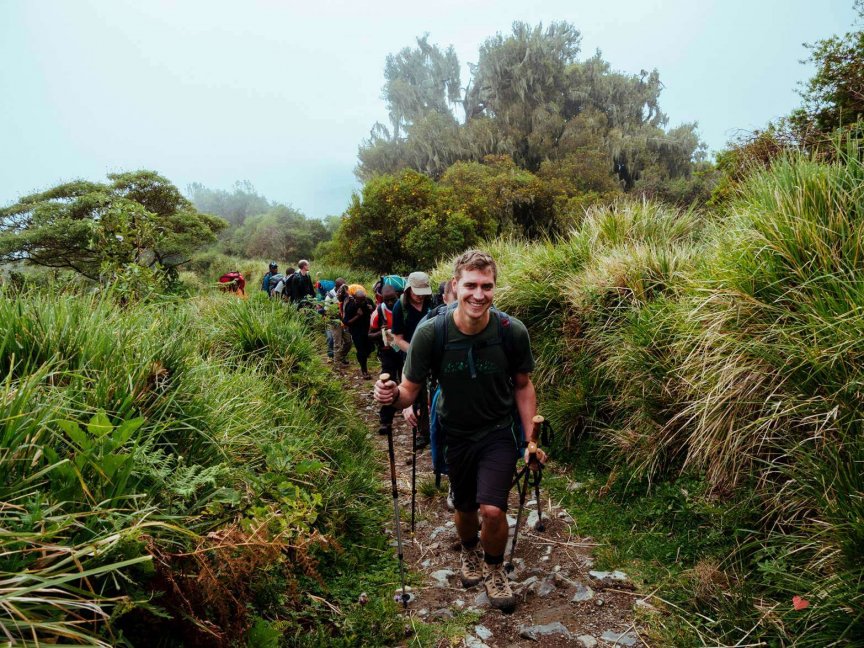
(281, 93)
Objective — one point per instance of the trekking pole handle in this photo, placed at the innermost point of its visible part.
(384, 377)
(532, 445)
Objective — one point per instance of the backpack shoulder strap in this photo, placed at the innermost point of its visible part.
(439, 316)
(505, 335)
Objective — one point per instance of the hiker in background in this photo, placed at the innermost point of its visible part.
(407, 313)
(334, 321)
(358, 313)
(280, 289)
(233, 282)
(301, 283)
(265, 284)
(338, 330)
(477, 412)
(397, 282)
(380, 328)
(438, 300)
(323, 288)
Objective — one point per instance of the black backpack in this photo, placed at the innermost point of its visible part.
(289, 286)
(505, 338)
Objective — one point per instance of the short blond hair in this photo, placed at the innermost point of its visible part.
(474, 260)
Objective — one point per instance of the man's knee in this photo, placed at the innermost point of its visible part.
(492, 515)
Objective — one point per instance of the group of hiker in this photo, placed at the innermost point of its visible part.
(472, 362)
(293, 286)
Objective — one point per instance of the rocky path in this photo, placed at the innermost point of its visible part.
(562, 600)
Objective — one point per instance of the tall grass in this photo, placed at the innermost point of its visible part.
(159, 460)
(727, 345)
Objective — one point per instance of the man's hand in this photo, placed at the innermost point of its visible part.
(385, 392)
(540, 457)
(410, 416)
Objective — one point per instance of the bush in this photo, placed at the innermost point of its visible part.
(167, 474)
(731, 348)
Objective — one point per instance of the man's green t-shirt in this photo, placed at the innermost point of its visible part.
(469, 406)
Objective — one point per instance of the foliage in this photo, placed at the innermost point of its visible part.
(726, 348)
(834, 96)
(260, 228)
(98, 229)
(282, 233)
(166, 488)
(400, 223)
(530, 98)
(235, 206)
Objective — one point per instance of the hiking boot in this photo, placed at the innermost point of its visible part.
(498, 586)
(472, 566)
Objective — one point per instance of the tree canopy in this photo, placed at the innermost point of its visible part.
(95, 229)
(529, 97)
(834, 96)
(261, 228)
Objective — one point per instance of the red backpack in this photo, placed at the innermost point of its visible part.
(233, 282)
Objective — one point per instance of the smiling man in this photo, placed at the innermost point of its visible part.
(482, 359)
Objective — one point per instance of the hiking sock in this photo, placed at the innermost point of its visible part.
(468, 545)
(489, 559)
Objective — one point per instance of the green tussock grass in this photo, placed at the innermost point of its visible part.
(717, 353)
(201, 437)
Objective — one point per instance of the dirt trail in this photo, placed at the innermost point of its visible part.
(559, 602)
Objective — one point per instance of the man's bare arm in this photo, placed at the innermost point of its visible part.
(526, 402)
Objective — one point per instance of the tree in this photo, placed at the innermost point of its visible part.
(501, 198)
(96, 229)
(401, 223)
(419, 82)
(235, 206)
(530, 99)
(281, 233)
(834, 97)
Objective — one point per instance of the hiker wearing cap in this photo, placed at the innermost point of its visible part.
(482, 362)
(412, 307)
(273, 269)
(358, 312)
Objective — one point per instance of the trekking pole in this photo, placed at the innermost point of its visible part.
(524, 476)
(413, 473)
(543, 436)
(405, 597)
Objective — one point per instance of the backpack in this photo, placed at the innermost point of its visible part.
(504, 338)
(289, 286)
(396, 281)
(327, 285)
(274, 281)
(437, 435)
(232, 281)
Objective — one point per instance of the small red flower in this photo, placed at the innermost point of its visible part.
(800, 603)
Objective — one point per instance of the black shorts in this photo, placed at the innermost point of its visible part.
(481, 472)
